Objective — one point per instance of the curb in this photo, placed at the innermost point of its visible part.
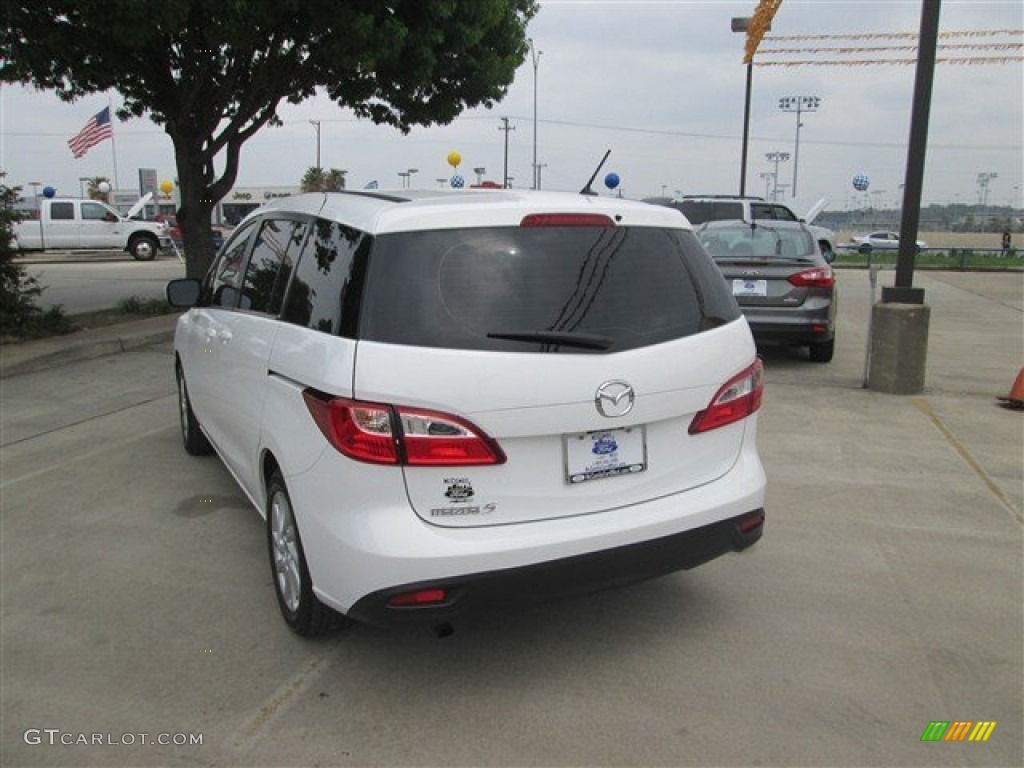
(44, 354)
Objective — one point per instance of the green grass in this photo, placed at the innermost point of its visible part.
(956, 259)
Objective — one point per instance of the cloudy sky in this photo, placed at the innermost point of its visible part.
(660, 83)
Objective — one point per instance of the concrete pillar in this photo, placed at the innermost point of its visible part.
(899, 348)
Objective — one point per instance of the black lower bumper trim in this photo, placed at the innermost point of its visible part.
(577, 575)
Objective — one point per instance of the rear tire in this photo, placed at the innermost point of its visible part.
(865, 249)
(822, 351)
(300, 608)
(192, 436)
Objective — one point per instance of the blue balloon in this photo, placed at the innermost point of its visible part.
(49, 191)
(860, 182)
(457, 182)
(611, 180)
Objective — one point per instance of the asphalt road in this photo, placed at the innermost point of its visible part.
(886, 593)
(85, 284)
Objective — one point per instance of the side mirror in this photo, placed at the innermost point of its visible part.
(183, 293)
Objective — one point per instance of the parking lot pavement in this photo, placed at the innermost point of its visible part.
(885, 594)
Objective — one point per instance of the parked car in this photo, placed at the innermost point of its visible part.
(882, 241)
(700, 209)
(783, 284)
(174, 231)
(68, 223)
(445, 399)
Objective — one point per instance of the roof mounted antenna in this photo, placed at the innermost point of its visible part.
(586, 189)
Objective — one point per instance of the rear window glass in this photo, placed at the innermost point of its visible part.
(549, 287)
(700, 211)
(760, 242)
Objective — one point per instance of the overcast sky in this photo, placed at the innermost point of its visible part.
(661, 84)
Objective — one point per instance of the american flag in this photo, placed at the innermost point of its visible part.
(96, 130)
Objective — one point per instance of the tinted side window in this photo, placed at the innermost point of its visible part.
(224, 279)
(466, 288)
(62, 211)
(270, 265)
(325, 292)
(93, 212)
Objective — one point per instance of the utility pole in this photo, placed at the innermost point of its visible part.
(506, 128)
(535, 55)
(316, 125)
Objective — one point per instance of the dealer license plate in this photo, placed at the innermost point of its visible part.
(607, 453)
(749, 287)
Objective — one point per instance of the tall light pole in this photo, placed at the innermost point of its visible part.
(316, 126)
(983, 182)
(535, 56)
(768, 177)
(404, 176)
(81, 185)
(798, 104)
(777, 157)
(480, 171)
(506, 128)
(539, 167)
(755, 28)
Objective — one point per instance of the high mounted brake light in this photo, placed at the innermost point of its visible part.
(566, 220)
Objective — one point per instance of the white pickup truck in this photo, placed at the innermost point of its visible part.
(67, 223)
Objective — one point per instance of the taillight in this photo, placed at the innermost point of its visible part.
(384, 434)
(738, 398)
(440, 439)
(361, 431)
(816, 277)
(566, 220)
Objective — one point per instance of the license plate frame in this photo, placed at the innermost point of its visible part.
(604, 453)
(744, 287)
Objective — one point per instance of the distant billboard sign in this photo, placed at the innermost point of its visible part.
(147, 181)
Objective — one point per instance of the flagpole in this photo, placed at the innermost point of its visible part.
(113, 147)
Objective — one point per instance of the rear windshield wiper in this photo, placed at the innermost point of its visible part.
(558, 338)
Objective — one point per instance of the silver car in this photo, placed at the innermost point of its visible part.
(784, 286)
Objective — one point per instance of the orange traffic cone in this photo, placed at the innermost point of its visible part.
(1016, 397)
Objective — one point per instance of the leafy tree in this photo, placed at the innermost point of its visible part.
(315, 180)
(213, 72)
(93, 189)
(19, 314)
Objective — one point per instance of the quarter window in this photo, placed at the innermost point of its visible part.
(325, 293)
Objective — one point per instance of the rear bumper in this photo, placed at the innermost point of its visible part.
(577, 575)
(792, 326)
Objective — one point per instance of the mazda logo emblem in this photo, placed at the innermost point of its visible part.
(614, 398)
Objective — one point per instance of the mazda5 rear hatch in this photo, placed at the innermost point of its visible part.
(552, 369)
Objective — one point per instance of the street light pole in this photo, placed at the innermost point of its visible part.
(535, 55)
(316, 125)
(480, 171)
(777, 157)
(798, 104)
(741, 24)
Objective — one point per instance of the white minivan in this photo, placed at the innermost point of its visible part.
(448, 399)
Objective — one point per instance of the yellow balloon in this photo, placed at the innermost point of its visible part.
(454, 158)
(166, 186)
